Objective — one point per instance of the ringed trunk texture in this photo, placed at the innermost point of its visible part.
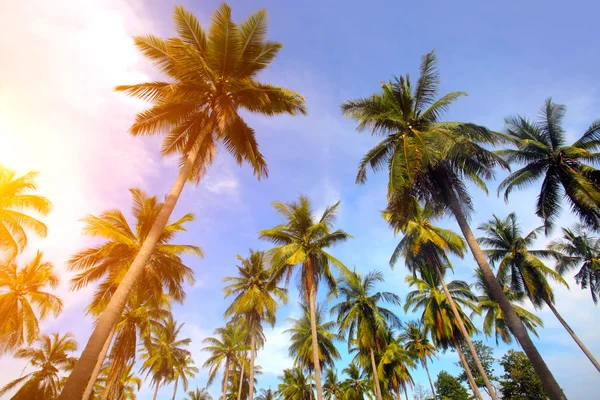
(574, 336)
(175, 390)
(251, 374)
(513, 321)
(241, 381)
(429, 377)
(156, 390)
(77, 381)
(315, 343)
(225, 378)
(465, 334)
(470, 378)
(375, 376)
(98, 367)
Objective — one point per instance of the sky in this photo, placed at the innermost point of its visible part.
(60, 116)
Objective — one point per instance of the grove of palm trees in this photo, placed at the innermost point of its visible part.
(379, 235)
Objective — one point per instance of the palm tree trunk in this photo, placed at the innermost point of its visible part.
(512, 320)
(315, 342)
(375, 376)
(252, 354)
(156, 390)
(470, 378)
(574, 336)
(464, 332)
(77, 381)
(98, 367)
(241, 380)
(175, 390)
(429, 377)
(225, 378)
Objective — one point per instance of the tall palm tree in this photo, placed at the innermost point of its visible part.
(357, 385)
(199, 394)
(430, 162)
(225, 350)
(438, 319)
(266, 394)
(163, 351)
(302, 240)
(527, 273)
(395, 363)
(301, 340)
(426, 244)
(541, 148)
(294, 385)
(109, 261)
(331, 385)
(578, 249)
(238, 384)
(211, 76)
(183, 368)
(24, 300)
(361, 317)
(493, 320)
(15, 205)
(414, 338)
(48, 360)
(256, 296)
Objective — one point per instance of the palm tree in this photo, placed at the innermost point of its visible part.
(24, 301)
(331, 386)
(362, 319)
(126, 385)
(426, 244)
(164, 351)
(256, 298)
(15, 205)
(527, 273)
(266, 394)
(198, 394)
(225, 350)
(578, 248)
(110, 260)
(541, 148)
(211, 76)
(294, 385)
(301, 340)
(183, 368)
(493, 320)
(302, 240)
(238, 384)
(430, 162)
(356, 386)
(414, 338)
(394, 366)
(438, 319)
(48, 360)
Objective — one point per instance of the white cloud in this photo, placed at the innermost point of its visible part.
(274, 358)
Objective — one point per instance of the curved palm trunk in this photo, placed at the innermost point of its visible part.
(429, 377)
(512, 320)
(241, 381)
(315, 342)
(470, 378)
(251, 374)
(375, 376)
(156, 390)
(464, 333)
(77, 381)
(98, 367)
(225, 378)
(574, 336)
(175, 390)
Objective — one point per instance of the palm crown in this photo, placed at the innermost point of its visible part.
(542, 150)
(211, 76)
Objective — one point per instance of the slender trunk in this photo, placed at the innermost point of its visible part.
(574, 336)
(225, 378)
(375, 376)
(241, 380)
(175, 390)
(77, 381)
(470, 378)
(429, 377)
(98, 367)
(315, 342)
(464, 332)
(512, 320)
(156, 390)
(251, 374)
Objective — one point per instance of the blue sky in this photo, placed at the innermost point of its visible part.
(509, 57)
